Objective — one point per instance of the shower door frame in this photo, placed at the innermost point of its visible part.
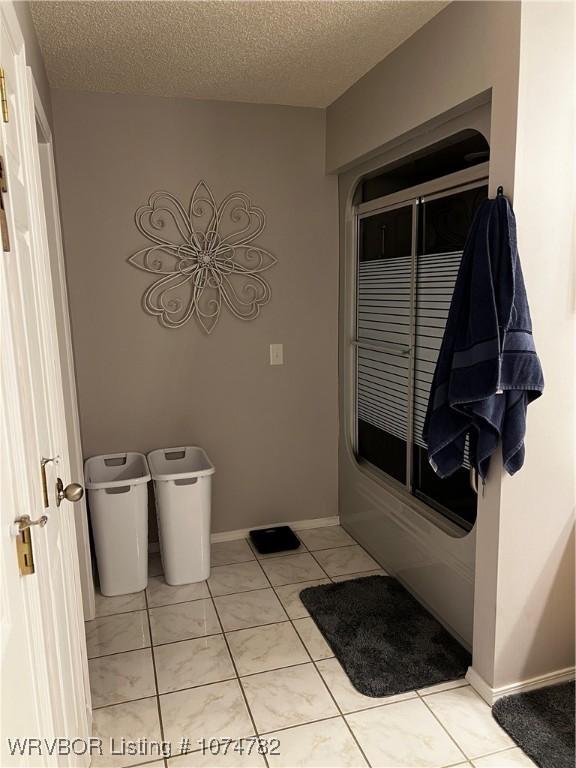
(415, 197)
(403, 350)
(444, 186)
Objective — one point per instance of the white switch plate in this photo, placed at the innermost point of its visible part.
(276, 354)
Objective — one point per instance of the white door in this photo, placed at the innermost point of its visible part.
(44, 693)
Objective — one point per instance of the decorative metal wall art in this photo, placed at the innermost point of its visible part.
(205, 257)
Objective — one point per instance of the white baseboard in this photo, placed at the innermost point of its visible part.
(491, 695)
(296, 525)
(241, 533)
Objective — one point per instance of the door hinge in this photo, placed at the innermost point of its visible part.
(3, 96)
(25, 554)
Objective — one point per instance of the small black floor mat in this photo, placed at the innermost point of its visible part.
(542, 723)
(385, 640)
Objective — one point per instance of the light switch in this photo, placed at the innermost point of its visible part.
(276, 354)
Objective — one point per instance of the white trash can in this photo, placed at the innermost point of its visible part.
(118, 500)
(183, 491)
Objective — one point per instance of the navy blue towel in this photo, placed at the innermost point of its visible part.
(487, 370)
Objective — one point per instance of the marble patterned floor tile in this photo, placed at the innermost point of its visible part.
(183, 621)
(229, 552)
(439, 687)
(249, 609)
(160, 593)
(509, 758)
(132, 721)
(290, 570)
(113, 634)
(316, 745)
(347, 697)
(210, 711)
(403, 735)
(194, 662)
(240, 754)
(468, 719)
(287, 697)
(326, 538)
(365, 574)
(121, 677)
(107, 606)
(155, 564)
(343, 560)
(313, 639)
(240, 577)
(290, 597)
(260, 649)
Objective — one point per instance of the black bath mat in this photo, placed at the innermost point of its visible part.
(385, 640)
(542, 723)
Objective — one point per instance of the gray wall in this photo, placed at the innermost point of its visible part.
(521, 55)
(535, 576)
(466, 55)
(270, 431)
(467, 49)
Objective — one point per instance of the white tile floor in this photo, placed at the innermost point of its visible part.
(239, 656)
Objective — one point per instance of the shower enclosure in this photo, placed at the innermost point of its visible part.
(404, 222)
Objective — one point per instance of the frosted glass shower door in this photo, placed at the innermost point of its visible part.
(384, 342)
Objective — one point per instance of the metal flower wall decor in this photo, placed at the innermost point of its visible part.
(204, 256)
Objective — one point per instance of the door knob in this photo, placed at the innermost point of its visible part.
(72, 492)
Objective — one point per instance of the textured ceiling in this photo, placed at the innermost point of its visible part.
(270, 51)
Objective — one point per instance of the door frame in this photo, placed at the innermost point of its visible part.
(46, 690)
(66, 352)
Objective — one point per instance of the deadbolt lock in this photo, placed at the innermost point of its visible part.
(72, 492)
(44, 461)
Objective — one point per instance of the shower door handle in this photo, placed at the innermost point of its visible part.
(474, 480)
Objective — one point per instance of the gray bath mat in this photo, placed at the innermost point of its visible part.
(385, 640)
(541, 722)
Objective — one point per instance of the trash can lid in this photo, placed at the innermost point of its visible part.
(113, 470)
(179, 463)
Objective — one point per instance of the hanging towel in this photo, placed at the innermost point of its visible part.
(487, 370)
